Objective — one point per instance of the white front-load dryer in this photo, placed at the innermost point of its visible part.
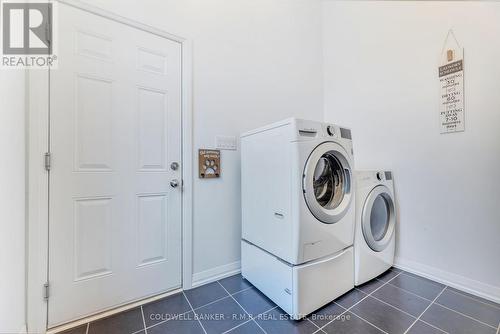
(298, 212)
(374, 242)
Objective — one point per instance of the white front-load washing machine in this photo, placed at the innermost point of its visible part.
(298, 213)
(374, 241)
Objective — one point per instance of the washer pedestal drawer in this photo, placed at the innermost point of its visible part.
(301, 289)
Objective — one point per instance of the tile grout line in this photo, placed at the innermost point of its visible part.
(421, 278)
(242, 308)
(245, 289)
(358, 316)
(359, 301)
(144, 321)
(394, 307)
(192, 309)
(380, 329)
(212, 302)
(164, 321)
(413, 293)
(274, 307)
(340, 307)
(364, 293)
(439, 304)
(433, 326)
(251, 317)
(401, 311)
(138, 332)
(474, 298)
(313, 324)
(230, 329)
(421, 314)
(234, 293)
(465, 315)
(319, 330)
(196, 308)
(207, 304)
(219, 299)
(390, 279)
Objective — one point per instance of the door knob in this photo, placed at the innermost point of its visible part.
(174, 183)
(174, 165)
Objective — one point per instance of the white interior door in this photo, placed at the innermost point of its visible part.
(115, 129)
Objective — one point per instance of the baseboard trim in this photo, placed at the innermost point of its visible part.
(459, 282)
(214, 274)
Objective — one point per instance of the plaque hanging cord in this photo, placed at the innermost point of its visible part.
(450, 33)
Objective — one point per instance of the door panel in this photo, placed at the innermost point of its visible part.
(115, 127)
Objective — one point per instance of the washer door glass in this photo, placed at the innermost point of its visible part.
(329, 181)
(378, 218)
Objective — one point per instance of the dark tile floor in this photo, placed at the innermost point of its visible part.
(396, 302)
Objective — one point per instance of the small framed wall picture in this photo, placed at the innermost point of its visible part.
(208, 164)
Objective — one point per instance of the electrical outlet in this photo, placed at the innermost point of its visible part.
(225, 143)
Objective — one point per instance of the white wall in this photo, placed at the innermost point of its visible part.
(381, 63)
(12, 197)
(255, 62)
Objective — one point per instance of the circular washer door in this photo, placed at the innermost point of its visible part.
(327, 182)
(378, 218)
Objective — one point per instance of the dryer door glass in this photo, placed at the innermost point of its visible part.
(329, 181)
(379, 218)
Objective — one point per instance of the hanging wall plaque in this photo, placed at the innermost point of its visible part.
(451, 81)
(208, 164)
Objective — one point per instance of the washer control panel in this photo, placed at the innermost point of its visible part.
(330, 130)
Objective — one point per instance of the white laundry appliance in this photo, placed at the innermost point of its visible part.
(298, 213)
(374, 242)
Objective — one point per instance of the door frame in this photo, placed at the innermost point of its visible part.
(38, 142)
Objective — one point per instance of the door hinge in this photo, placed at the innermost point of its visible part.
(46, 291)
(48, 31)
(47, 161)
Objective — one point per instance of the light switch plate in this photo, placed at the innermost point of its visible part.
(225, 143)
